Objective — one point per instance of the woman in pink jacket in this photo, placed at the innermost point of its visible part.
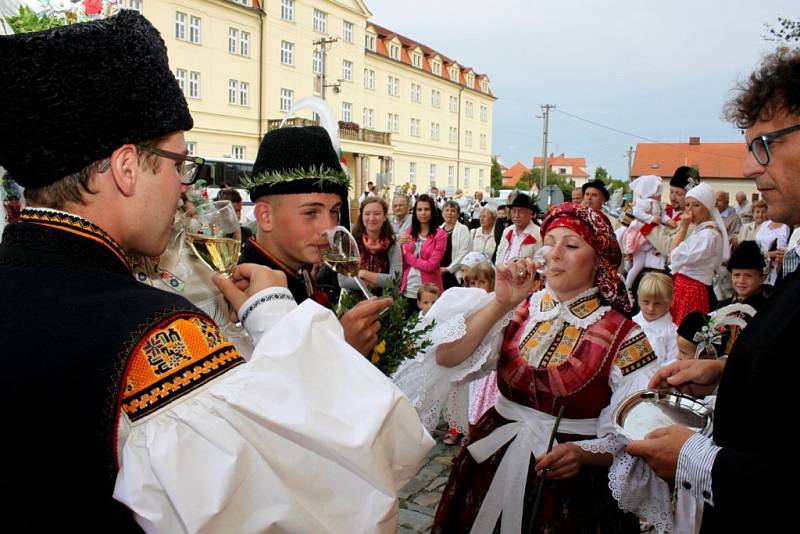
(423, 246)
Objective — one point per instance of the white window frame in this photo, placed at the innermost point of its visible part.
(468, 138)
(180, 76)
(369, 79)
(233, 91)
(244, 43)
(287, 53)
(347, 70)
(394, 51)
(191, 148)
(416, 92)
(369, 42)
(483, 141)
(453, 139)
(394, 86)
(238, 152)
(316, 62)
(287, 99)
(133, 5)
(436, 68)
(393, 122)
(416, 60)
(466, 177)
(195, 26)
(369, 118)
(434, 131)
(481, 179)
(244, 94)
(233, 40)
(415, 128)
(469, 109)
(451, 173)
(194, 84)
(347, 112)
(432, 173)
(412, 172)
(454, 75)
(287, 10)
(453, 104)
(484, 113)
(320, 21)
(180, 26)
(347, 31)
(436, 99)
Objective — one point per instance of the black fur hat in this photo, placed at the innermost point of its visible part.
(683, 178)
(597, 184)
(296, 160)
(72, 95)
(691, 324)
(747, 255)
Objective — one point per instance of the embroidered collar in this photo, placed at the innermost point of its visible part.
(582, 310)
(74, 224)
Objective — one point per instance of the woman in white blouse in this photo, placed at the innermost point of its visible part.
(458, 244)
(694, 259)
(772, 238)
(483, 236)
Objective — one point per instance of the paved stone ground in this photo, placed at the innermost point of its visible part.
(419, 498)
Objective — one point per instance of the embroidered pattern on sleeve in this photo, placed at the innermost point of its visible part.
(634, 353)
(172, 359)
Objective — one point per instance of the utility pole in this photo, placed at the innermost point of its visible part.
(323, 47)
(630, 153)
(546, 115)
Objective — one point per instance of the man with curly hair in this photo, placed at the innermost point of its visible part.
(736, 472)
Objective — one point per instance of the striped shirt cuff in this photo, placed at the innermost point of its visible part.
(694, 467)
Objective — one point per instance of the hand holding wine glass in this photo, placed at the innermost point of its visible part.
(214, 235)
(514, 281)
(343, 257)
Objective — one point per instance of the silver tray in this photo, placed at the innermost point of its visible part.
(650, 409)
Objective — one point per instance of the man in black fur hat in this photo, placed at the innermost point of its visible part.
(595, 194)
(115, 387)
(301, 191)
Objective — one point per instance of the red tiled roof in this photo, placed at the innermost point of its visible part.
(385, 34)
(512, 175)
(713, 160)
(578, 164)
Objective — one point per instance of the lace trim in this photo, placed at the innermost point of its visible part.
(562, 309)
(451, 330)
(262, 300)
(638, 490)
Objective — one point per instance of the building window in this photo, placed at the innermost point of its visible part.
(287, 53)
(484, 87)
(483, 141)
(347, 70)
(244, 94)
(194, 29)
(180, 25)
(434, 131)
(453, 104)
(416, 93)
(191, 148)
(244, 44)
(194, 84)
(369, 118)
(415, 127)
(347, 31)
(454, 74)
(369, 79)
(394, 52)
(394, 86)
(233, 40)
(369, 42)
(233, 90)
(393, 123)
(436, 99)
(320, 21)
(180, 76)
(470, 81)
(412, 172)
(484, 113)
(432, 174)
(316, 62)
(467, 138)
(238, 152)
(466, 177)
(245, 3)
(481, 183)
(135, 5)
(453, 135)
(287, 99)
(287, 9)
(469, 109)
(416, 60)
(451, 173)
(347, 112)
(436, 67)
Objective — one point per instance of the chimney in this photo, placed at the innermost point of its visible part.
(694, 140)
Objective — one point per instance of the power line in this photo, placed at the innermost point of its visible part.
(623, 132)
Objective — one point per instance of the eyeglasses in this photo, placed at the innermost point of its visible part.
(760, 145)
(188, 167)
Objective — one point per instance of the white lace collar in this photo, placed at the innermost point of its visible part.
(663, 322)
(582, 311)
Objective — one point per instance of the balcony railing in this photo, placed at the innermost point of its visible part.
(364, 135)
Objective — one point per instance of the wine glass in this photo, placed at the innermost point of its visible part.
(540, 258)
(214, 235)
(518, 267)
(343, 257)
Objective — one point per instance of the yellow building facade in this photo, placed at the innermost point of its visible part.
(414, 115)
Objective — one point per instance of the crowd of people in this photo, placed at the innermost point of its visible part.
(186, 402)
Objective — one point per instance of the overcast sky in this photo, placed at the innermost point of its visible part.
(659, 69)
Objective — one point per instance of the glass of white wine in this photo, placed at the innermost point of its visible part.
(540, 259)
(214, 235)
(343, 257)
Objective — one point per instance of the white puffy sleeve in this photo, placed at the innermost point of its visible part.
(695, 248)
(642, 210)
(634, 485)
(433, 388)
(280, 443)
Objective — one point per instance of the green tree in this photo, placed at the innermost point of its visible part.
(601, 174)
(496, 180)
(563, 183)
(786, 33)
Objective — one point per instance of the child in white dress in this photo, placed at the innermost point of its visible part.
(655, 297)
(646, 213)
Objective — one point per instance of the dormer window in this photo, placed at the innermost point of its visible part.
(470, 81)
(416, 60)
(454, 74)
(369, 42)
(436, 67)
(394, 52)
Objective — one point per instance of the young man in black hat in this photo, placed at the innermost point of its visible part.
(595, 194)
(300, 192)
(115, 387)
(523, 238)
